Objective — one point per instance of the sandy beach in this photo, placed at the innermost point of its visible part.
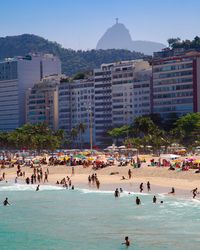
(161, 179)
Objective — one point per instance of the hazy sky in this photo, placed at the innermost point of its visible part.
(78, 24)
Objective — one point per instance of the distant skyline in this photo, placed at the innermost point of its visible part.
(78, 24)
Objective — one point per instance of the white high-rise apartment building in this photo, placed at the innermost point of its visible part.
(42, 101)
(115, 95)
(76, 106)
(17, 75)
(122, 92)
(130, 91)
(176, 83)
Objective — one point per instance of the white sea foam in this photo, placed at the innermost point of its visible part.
(181, 203)
(24, 187)
(88, 191)
(108, 192)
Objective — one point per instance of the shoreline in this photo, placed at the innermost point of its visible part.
(161, 179)
(132, 188)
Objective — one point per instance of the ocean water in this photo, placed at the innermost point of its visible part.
(58, 219)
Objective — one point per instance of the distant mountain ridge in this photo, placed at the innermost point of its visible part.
(72, 61)
(118, 37)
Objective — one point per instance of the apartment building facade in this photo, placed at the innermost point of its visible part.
(76, 108)
(17, 75)
(176, 84)
(112, 97)
(42, 102)
(122, 92)
(103, 101)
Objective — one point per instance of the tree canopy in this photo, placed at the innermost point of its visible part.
(148, 131)
(35, 137)
(175, 43)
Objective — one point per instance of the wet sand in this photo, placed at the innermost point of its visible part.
(161, 179)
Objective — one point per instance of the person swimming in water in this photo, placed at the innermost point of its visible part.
(137, 201)
(6, 203)
(121, 190)
(37, 188)
(127, 242)
(154, 199)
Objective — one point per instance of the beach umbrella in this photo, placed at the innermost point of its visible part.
(36, 161)
(90, 159)
(79, 156)
(61, 159)
(86, 153)
(190, 159)
(122, 159)
(177, 161)
(110, 159)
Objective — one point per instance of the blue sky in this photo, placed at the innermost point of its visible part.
(78, 24)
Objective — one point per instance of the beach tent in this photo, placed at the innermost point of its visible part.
(169, 156)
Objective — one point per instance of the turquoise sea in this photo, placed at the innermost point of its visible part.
(58, 219)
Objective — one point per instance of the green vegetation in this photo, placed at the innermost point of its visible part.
(118, 133)
(148, 131)
(79, 76)
(34, 137)
(175, 43)
(72, 61)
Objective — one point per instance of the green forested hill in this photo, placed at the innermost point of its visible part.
(72, 61)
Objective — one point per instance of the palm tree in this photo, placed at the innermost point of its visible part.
(73, 134)
(81, 130)
(118, 133)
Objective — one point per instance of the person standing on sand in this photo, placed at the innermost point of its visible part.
(97, 183)
(45, 177)
(148, 186)
(129, 174)
(89, 180)
(73, 172)
(93, 179)
(141, 187)
(194, 191)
